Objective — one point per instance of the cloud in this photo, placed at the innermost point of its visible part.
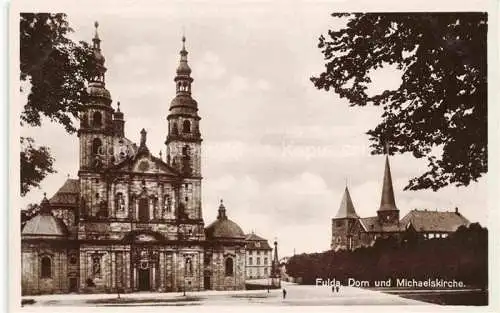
(263, 84)
(238, 85)
(134, 55)
(209, 67)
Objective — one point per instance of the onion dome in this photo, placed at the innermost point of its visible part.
(223, 227)
(183, 68)
(183, 103)
(96, 89)
(44, 224)
(99, 58)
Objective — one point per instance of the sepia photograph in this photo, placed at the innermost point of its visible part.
(250, 153)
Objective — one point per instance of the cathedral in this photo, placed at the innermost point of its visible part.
(132, 221)
(350, 231)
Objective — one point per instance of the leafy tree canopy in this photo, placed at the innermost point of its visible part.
(57, 69)
(36, 164)
(441, 104)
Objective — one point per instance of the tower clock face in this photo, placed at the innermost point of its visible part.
(144, 166)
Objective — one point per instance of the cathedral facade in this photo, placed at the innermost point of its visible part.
(132, 221)
(350, 231)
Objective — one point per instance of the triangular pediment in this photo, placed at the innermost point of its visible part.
(152, 165)
(146, 163)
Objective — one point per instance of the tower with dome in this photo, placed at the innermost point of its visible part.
(132, 221)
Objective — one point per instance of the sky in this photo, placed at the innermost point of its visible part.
(276, 149)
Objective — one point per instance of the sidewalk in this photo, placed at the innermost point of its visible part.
(301, 295)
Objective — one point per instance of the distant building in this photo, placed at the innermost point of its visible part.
(349, 231)
(434, 224)
(258, 257)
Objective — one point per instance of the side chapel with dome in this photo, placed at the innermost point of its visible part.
(132, 221)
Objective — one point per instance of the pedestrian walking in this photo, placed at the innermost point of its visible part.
(284, 293)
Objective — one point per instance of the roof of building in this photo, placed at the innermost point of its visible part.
(223, 227)
(255, 242)
(68, 193)
(183, 68)
(387, 202)
(346, 209)
(372, 224)
(434, 221)
(45, 225)
(183, 104)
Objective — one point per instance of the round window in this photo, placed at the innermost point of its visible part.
(144, 166)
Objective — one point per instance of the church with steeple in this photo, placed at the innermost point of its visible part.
(132, 221)
(350, 231)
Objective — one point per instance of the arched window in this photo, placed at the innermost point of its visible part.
(175, 130)
(167, 203)
(143, 210)
(189, 266)
(97, 119)
(186, 161)
(155, 204)
(46, 267)
(119, 202)
(96, 146)
(84, 120)
(186, 126)
(96, 265)
(229, 267)
(73, 259)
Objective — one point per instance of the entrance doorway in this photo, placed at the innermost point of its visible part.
(144, 282)
(73, 284)
(206, 283)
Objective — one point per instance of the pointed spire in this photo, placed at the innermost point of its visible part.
(96, 38)
(346, 209)
(183, 69)
(387, 202)
(98, 80)
(275, 263)
(222, 211)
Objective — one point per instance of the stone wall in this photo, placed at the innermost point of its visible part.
(219, 279)
(31, 280)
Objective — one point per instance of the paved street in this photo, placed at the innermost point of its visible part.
(296, 295)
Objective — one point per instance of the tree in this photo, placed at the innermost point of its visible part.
(55, 69)
(31, 210)
(36, 164)
(440, 108)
